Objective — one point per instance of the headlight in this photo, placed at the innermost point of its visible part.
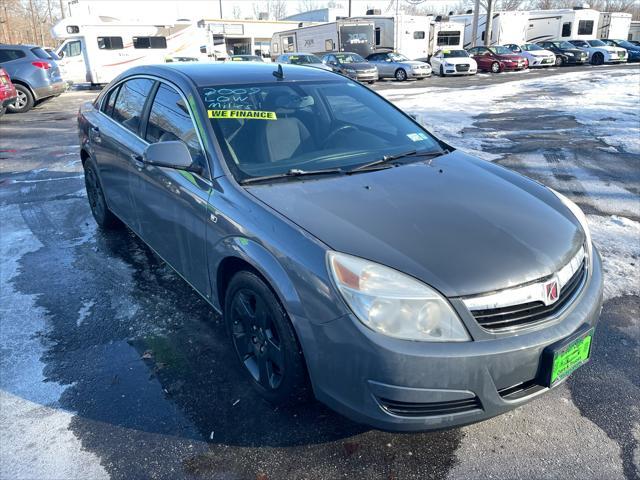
(569, 54)
(392, 303)
(580, 216)
(350, 71)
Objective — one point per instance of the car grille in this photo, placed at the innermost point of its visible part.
(410, 409)
(463, 67)
(525, 314)
(520, 390)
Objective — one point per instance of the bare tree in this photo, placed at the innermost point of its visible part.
(236, 12)
(307, 5)
(274, 9)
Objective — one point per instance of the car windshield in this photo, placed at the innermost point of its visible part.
(528, 47)
(565, 45)
(350, 58)
(454, 53)
(398, 57)
(303, 59)
(596, 43)
(276, 128)
(625, 44)
(501, 50)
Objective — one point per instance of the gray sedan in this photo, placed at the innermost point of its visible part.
(352, 65)
(354, 256)
(307, 59)
(396, 65)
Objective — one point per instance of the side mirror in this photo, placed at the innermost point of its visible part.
(61, 54)
(173, 154)
(388, 60)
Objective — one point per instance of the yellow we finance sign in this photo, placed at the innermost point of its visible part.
(244, 114)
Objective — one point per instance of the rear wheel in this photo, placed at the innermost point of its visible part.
(495, 67)
(597, 59)
(264, 340)
(24, 102)
(101, 213)
(401, 75)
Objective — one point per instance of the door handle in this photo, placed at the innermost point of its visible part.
(95, 134)
(137, 161)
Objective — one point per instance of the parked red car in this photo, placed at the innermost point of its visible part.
(8, 92)
(497, 59)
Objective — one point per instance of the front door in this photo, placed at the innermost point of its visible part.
(172, 204)
(72, 65)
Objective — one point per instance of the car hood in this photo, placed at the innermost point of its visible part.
(414, 63)
(459, 224)
(513, 57)
(541, 53)
(321, 66)
(610, 49)
(359, 66)
(457, 60)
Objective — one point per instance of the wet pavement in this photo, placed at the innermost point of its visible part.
(112, 367)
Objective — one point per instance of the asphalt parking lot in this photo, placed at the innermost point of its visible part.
(112, 367)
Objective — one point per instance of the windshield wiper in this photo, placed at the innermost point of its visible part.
(294, 172)
(386, 160)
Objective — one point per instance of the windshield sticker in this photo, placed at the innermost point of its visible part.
(242, 114)
(417, 137)
(231, 98)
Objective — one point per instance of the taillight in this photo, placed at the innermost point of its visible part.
(43, 65)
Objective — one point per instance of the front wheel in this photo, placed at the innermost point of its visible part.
(264, 341)
(24, 102)
(441, 71)
(559, 61)
(597, 59)
(495, 67)
(401, 75)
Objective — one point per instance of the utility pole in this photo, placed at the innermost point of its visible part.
(489, 24)
(474, 27)
(220, 2)
(349, 8)
(62, 9)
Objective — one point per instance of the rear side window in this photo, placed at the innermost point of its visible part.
(130, 102)
(170, 120)
(149, 42)
(448, 38)
(110, 100)
(9, 55)
(585, 27)
(566, 29)
(110, 43)
(40, 53)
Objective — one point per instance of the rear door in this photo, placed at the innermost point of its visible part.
(172, 204)
(119, 145)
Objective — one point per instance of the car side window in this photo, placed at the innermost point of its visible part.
(169, 120)
(128, 107)
(9, 55)
(109, 101)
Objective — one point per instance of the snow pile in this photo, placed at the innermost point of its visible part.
(618, 240)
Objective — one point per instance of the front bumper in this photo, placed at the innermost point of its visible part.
(8, 101)
(542, 62)
(418, 74)
(514, 67)
(616, 59)
(356, 371)
(364, 77)
(455, 71)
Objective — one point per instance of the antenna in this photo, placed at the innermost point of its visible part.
(279, 74)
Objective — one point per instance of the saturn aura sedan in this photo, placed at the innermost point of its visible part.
(353, 255)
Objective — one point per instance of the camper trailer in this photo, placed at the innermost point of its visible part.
(347, 35)
(614, 25)
(507, 27)
(96, 49)
(413, 36)
(563, 24)
(634, 31)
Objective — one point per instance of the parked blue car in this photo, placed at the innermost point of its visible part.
(353, 255)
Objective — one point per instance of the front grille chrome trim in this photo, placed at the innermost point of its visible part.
(531, 292)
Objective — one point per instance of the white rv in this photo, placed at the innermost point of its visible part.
(615, 25)
(413, 36)
(563, 24)
(507, 27)
(634, 31)
(96, 49)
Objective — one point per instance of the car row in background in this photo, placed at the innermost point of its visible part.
(33, 72)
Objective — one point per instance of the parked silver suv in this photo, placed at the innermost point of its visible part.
(34, 73)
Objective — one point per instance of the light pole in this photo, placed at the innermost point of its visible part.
(220, 2)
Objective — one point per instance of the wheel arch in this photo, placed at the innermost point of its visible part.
(24, 84)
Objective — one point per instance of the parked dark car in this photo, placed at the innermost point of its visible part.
(566, 53)
(352, 254)
(34, 73)
(497, 59)
(307, 59)
(633, 51)
(352, 65)
(8, 93)
(245, 58)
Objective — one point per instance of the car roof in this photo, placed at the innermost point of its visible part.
(205, 74)
(14, 47)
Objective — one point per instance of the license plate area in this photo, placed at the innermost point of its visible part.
(564, 357)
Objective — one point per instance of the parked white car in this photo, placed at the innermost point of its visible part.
(599, 52)
(453, 62)
(535, 54)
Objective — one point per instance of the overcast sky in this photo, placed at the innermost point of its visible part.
(197, 9)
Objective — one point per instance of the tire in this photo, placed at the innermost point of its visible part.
(264, 341)
(442, 71)
(559, 61)
(401, 75)
(24, 102)
(597, 59)
(495, 67)
(97, 203)
(371, 83)
(2, 111)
